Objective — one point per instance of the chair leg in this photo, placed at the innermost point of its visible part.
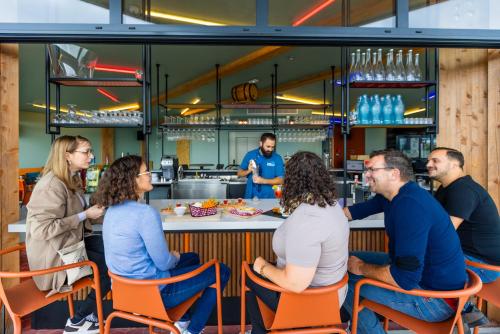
(479, 304)
(386, 324)
(243, 301)
(71, 306)
(17, 325)
(219, 301)
(98, 301)
(151, 329)
(107, 327)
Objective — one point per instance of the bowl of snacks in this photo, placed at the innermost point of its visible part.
(180, 210)
(203, 209)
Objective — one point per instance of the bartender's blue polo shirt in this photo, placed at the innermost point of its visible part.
(269, 168)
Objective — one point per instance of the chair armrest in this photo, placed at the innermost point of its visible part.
(271, 286)
(12, 249)
(24, 274)
(474, 286)
(482, 265)
(164, 281)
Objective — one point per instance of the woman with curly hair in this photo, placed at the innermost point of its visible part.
(311, 245)
(135, 244)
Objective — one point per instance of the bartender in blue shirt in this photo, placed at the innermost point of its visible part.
(270, 168)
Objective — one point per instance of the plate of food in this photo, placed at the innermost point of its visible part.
(167, 210)
(245, 211)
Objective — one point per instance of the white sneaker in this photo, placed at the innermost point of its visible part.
(181, 326)
(83, 327)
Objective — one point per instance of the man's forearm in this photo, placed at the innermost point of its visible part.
(380, 273)
(243, 172)
(273, 181)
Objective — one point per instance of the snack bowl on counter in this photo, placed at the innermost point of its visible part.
(180, 210)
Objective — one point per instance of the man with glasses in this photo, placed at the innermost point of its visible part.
(424, 250)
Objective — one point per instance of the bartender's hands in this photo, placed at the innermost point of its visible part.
(354, 265)
(176, 254)
(259, 263)
(258, 180)
(95, 211)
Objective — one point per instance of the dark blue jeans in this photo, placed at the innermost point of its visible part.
(176, 293)
(428, 309)
(486, 276)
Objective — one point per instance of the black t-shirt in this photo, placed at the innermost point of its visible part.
(480, 231)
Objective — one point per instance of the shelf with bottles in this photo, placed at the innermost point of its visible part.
(385, 111)
(367, 73)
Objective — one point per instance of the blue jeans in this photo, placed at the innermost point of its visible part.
(428, 309)
(486, 276)
(175, 293)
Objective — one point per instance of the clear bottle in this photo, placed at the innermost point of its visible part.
(104, 168)
(378, 70)
(375, 110)
(387, 110)
(390, 69)
(362, 67)
(400, 74)
(358, 66)
(364, 110)
(418, 71)
(410, 69)
(399, 110)
(352, 68)
(368, 69)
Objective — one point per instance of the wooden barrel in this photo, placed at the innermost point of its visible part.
(246, 92)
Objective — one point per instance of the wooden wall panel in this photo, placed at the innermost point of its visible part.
(469, 115)
(183, 151)
(107, 145)
(9, 154)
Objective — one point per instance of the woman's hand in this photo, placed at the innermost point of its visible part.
(259, 263)
(176, 254)
(95, 211)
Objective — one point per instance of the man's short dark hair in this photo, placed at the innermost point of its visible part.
(266, 136)
(398, 160)
(453, 154)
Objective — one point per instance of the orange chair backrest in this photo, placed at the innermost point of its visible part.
(312, 308)
(129, 295)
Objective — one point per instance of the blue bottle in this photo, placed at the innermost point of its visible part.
(387, 114)
(376, 109)
(364, 110)
(399, 110)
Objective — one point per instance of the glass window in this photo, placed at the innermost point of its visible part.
(455, 14)
(49, 11)
(192, 12)
(362, 13)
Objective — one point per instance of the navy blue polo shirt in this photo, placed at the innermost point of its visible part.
(424, 248)
(269, 168)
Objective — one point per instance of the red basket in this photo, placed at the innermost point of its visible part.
(202, 212)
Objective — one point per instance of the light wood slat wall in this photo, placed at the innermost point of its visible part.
(469, 104)
(9, 156)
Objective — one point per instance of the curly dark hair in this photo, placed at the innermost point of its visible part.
(118, 183)
(307, 181)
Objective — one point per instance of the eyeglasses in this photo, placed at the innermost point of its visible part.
(88, 152)
(144, 173)
(371, 170)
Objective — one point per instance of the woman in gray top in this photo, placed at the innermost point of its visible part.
(311, 245)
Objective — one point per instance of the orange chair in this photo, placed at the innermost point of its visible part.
(151, 310)
(414, 324)
(315, 310)
(490, 291)
(25, 298)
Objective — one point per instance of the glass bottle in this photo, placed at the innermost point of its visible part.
(400, 70)
(410, 69)
(375, 109)
(390, 69)
(378, 69)
(364, 110)
(92, 177)
(368, 69)
(352, 68)
(418, 71)
(362, 67)
(358, 67)
(399, 110)
(387, 110)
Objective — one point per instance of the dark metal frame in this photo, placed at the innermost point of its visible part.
(261, 33)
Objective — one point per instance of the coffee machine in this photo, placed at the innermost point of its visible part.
(169, 165)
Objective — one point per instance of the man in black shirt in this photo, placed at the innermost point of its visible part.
(471, 209)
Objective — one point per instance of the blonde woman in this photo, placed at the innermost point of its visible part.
(58, 217)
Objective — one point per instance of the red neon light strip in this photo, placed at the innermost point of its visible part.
(313, 12)
(108, 95)
(115, 69)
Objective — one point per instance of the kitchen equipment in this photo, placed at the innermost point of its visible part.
(69, 60)
(169, 166)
